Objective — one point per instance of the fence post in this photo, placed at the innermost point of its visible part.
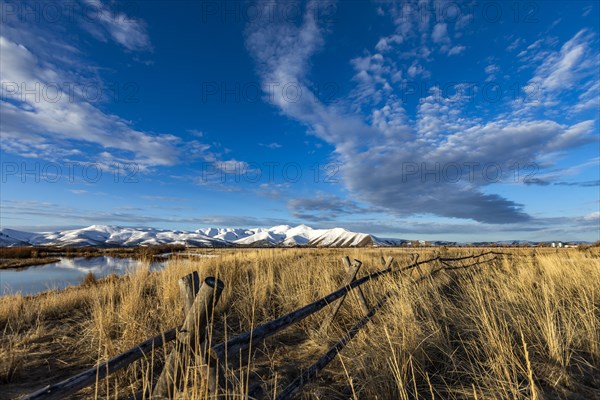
(189, 337)
(418, 266)
(188, 287)
(352, 271)
(361, 296)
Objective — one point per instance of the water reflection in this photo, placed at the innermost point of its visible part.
(67, 272)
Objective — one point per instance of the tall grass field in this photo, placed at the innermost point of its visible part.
(525, 326)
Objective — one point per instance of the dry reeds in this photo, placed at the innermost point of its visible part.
(523, 327)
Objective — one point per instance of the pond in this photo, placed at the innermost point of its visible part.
(66, 272)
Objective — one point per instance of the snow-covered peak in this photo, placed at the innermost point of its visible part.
(279, 229)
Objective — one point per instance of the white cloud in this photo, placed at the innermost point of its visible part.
(374, 77)
(560, 70)
(514, 44)
(535, 52)
(272, 146)
(124, 29)
(416, 70)
(594, 216)
(491, 71)
(195, 132)
(589, 99)
(572, 69)
(456, 50)
(390, 119)
(440, 33)
(386, 43)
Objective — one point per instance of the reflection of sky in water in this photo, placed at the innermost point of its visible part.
(66, 272)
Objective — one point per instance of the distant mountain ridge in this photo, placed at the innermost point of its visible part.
(281, 235)
(277, 236)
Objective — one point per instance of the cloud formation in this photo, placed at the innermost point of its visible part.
(52, 96)
(401, 165)
(323, 207)
(110, 22)
(41, 123)
(130, 217)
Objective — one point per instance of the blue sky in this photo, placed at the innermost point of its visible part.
(413, 119)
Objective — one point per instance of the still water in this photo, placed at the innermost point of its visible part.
(67, 272)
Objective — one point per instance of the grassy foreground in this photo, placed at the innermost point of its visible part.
(523, 327)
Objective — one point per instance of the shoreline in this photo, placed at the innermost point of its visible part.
(22, 263)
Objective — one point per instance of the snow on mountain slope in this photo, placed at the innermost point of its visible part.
(281, 235)
(262, 238)
(10, 237)
(295, 240)
(226, 234)
(340, 237)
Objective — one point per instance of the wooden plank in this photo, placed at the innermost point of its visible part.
(189, 338)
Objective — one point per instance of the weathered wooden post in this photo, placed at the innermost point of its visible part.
(352, 271)
(188, 287)
(417, 265)
(361, 296)
(189, 337)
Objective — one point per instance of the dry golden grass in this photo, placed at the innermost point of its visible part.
(522, 327)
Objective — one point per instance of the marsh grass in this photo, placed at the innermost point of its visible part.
(523, 327)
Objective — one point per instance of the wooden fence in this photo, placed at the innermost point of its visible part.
(199, 305)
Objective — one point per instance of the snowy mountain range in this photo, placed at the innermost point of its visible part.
(277, 236)
(114, 236)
